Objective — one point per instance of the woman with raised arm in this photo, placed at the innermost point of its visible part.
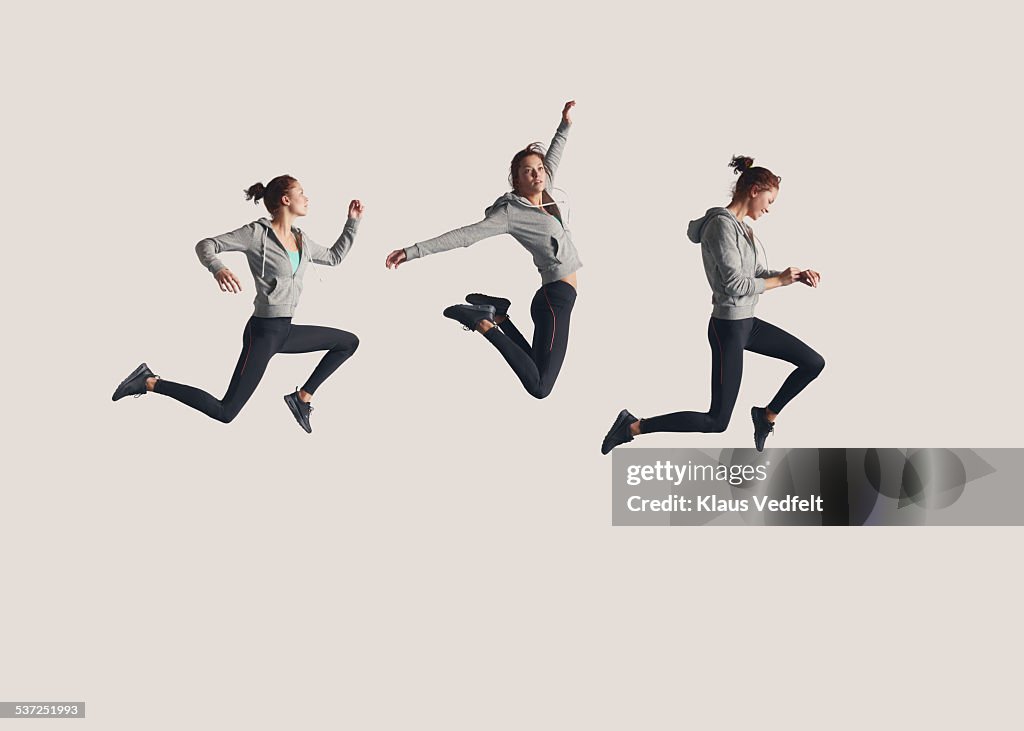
(737, 276)
(278, 254)
(531, 216)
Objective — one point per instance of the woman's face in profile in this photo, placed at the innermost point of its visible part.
(296, 200)
(761, 202)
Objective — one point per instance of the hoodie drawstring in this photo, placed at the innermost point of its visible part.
(315, 269)
(554, 202)
(764, 250)
(302, 250)
(263, 270)
(754, 241)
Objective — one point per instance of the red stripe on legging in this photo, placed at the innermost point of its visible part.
(721, 376)
(554, 329)
(247, 350)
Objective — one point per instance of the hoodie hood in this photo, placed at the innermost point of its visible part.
(503, 200)
(513, 197)
(266, 223)
(696, 227)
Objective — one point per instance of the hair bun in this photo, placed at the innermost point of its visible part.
(741, 163)
(255, 192)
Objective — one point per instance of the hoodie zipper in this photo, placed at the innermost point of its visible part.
(271, 231)
(747, 236)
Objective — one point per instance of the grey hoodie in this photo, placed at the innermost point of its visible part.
(542, 234)
(277, 288)
(730, 262)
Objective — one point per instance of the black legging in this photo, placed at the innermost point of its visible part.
(262, 339)
(538, 365)
(728, 339)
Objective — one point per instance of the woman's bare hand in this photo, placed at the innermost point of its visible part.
(810, 277)
(565, 111)
(228, 282)
(395, 258)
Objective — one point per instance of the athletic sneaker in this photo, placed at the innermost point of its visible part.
(762, 427)
(469, 315)
(300, 410)
(500, 304)
(134, 384)
(619, 433)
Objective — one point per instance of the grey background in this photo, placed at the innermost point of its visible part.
(439, 552)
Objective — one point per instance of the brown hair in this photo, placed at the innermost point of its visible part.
(271, 193)
(751, 177)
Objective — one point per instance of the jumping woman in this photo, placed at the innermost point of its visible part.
(737, 276)
(531, 216)
(278, 254)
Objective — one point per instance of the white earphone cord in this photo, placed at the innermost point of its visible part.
(762, 249)
(553, 202)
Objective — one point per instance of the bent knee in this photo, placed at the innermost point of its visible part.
(717, 425)
(347, 344)
(815, 365)
(540, 392)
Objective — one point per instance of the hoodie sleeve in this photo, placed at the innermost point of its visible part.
(238, 240)
(494, 224)
(719, 236)
(334, 255)
(554, 154)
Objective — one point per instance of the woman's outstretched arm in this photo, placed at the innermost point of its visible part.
(334, 255)
(554, 154)
(495, 224)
